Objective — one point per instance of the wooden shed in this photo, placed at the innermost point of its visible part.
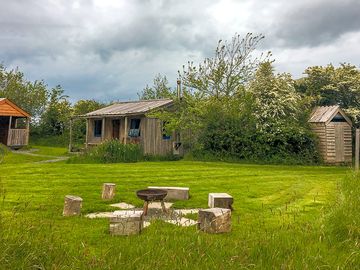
(333, 127)
(127, 122)
(14, 124)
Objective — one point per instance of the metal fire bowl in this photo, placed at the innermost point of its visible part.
(151, 194)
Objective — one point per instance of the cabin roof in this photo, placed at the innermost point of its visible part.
(8, 108)
(324, 114)
(130, 108)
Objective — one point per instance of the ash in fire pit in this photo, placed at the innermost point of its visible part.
(150, 195)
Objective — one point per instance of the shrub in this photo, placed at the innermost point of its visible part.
(3, 151)
(111, 151)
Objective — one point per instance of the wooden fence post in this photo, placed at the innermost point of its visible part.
(357, 148)
(70, 141)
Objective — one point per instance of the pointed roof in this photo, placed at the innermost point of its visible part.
(131, 108)
(8, 108)
(324, 114)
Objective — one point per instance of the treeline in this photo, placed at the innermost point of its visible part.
(233, 105)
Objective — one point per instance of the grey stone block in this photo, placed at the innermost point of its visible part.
(220, 200)
(175, 193)
(214, 220)
(126, 223)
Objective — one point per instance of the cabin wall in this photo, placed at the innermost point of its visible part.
(339, 143)
(4, 129)
(153, 142)
(320, 130)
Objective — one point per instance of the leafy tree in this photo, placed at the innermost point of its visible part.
(55, 119)
(159, 90)
(31, 96)
(227, 73)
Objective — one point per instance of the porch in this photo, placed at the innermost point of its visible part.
(14, 131)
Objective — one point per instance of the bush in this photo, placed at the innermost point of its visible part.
(111, 151)
(3, 151)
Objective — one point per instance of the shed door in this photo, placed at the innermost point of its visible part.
(339, 144)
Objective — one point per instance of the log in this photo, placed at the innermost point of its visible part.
(72, 205)
(220, 200)
(108, 191)
(214, 220)
(126, 223)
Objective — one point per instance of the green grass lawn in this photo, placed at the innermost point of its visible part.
(280, 218)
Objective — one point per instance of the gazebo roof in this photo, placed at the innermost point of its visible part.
(324, 114)
(8, 108)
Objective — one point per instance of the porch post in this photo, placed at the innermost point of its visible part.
(357, 149)
(125, 131)
(87, 133)
(103, 129)
(70, 142)
(9, 132)
(27, 130)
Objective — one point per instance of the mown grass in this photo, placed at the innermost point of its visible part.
(281, 220)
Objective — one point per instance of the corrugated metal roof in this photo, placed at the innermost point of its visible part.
(131, 107)
(323, 114)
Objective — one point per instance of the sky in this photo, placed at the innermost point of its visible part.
(111, 49)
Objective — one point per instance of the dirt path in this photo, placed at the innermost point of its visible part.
(51, 159)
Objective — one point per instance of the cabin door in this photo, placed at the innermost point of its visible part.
(4, 129)
(116, 129)
(339, 143)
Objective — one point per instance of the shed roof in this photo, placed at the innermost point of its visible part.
(131, 108)
(8, 108)
(324, 114)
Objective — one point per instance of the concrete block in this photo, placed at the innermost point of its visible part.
(220, 200)
(175, 193)
(72, 205)
(214, 220)
(108, 191)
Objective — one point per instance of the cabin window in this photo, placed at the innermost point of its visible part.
(19, 123)
(134, 130)
(338, 118)
(97, 128)
(164, 135)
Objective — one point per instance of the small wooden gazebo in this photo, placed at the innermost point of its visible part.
(14, 124)
(333, 128)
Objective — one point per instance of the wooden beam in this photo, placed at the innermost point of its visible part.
(27, 130)
(87, 133)
(70, 135)
(125, 130)
(9, 131)
(103, 129)
(357, 148)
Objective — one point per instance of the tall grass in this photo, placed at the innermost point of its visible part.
(111, 151)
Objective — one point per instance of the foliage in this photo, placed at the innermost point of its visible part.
(112, 151)
(159, 90)
(30, 96)
(228, 71)
(3, 152)
(331, 85)
(55, 119)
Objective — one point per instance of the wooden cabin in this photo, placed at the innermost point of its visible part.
(127, 122)
(14, 124)
(333, 128)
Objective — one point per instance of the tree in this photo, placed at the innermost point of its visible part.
(30, 96)
(231, 68)
(55, 119)
(159, 90)
(275, 100)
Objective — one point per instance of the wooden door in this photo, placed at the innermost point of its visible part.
(339, 143)
(116, 129)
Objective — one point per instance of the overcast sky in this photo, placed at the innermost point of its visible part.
(110, 49)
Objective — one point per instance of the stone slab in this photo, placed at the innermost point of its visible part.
(175, 193)
(183, 222)
(184, 212)
(123, 205)
(100, 215)
(220, 200)
(157, 205)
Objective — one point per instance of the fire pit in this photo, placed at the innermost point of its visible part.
(150, 195)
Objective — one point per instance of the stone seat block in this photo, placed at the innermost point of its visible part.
(175, 193)
(220, 200)
(214, 220)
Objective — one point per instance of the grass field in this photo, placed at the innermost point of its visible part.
(281, 218)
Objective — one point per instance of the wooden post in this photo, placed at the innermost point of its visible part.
(103, 129)
(72, 205)
(125, 131)
(70, 141)
(108, 191)
(87, 133)
(357, 148)
(9, 131)
(27, 130)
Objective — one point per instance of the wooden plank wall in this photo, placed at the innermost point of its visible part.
(18, 137)
(320, 130)
(152, 138)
